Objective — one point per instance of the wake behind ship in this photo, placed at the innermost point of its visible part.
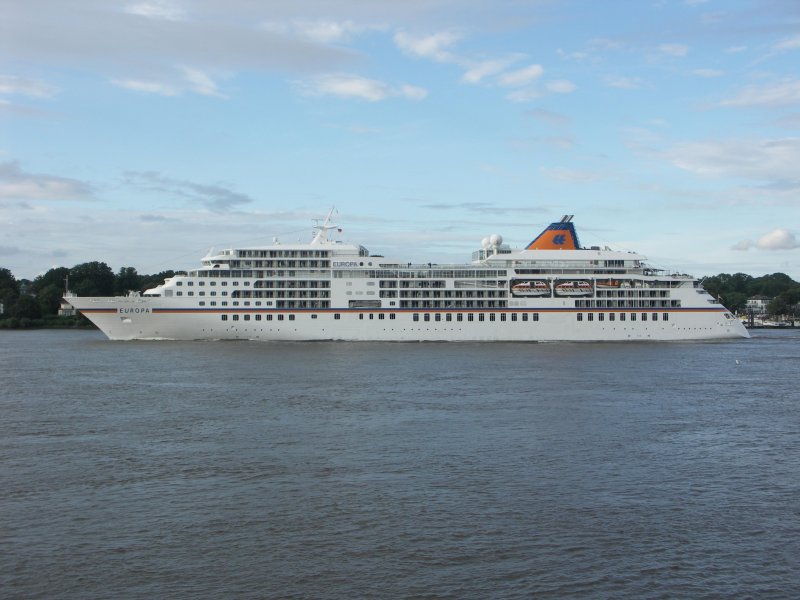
(551, 290)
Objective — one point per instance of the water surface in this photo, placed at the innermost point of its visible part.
(385, 470)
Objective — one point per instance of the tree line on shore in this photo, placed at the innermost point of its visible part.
(734, 290)
(29, 303)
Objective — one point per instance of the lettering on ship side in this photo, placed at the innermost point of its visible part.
(344, 263)
(134, 310)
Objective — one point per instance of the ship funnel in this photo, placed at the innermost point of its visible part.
(557, 236)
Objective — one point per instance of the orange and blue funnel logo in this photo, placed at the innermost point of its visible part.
(557, 236)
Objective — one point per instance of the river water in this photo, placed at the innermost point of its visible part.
(386, 470)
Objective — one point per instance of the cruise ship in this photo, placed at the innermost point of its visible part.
(551, 290)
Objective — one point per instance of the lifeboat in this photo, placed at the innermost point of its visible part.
(608, 283)
(574, 288)
(530, 288)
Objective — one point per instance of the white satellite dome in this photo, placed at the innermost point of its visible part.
(495, 239)
(485, 243)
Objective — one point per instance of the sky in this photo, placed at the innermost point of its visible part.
(145, 132)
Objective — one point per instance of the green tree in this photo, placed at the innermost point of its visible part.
(26, 307)
(56, 276)
(9, 290)
(127, 280)
(92, 279)
(49, 298)
(734, 301)
(151, 281)
(773, 285)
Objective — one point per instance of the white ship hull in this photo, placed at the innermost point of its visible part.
(124, 318)
(327, 290)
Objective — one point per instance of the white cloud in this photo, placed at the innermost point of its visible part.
(783, 93)
(149, 87)
(741, 246)
(200, 83)
(215, 197)
(156, 9)
(184, 79)
(572, 175)
(778, 239)
(560, 86)
(792, 43)
(354, 86)
(707, 72)
(624, 83)
(521, 77)
(24, 86)
(487, 68)
(15, 184)
(549, 116)
(677, 50)
(772, 161)
(320, 31)
(434, 46)
(523, 95)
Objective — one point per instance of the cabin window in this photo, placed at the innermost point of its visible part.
(621, 316)
(470, 317)
(371, 316)
(438, 317)
(655, 316)
(224, 317)
(601, 317)
(313, 316)
(337, 316)
(416, 316)
(481, 317)
(633, 316)
(644, 316)
(611, 316)
(665, 316)
(502, 316)
(427, 317)
(580, 316)
(459, 317)
(448, 317)
(247, 317)
(235, 317)
(524, 316)
(258, 317)
(590, 317)
(535, 316)
(280, 317)
(514, 316)
(391, 316)
(269, 317)
(291, 317)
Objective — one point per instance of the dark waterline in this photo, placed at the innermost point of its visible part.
(368, 470)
